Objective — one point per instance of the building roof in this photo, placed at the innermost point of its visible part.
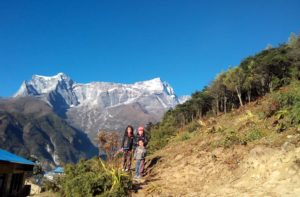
(59, 170)
(12, 158)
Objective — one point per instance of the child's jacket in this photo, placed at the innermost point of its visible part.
(140, 153)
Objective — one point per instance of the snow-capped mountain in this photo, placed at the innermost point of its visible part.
(183, 99)
(102, 105)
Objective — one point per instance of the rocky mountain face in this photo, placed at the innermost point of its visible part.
(30, 128)
(102, 105)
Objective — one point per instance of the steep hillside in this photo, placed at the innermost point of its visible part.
(28, 127)
(252, 151)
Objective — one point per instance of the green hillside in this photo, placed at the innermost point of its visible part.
(255, 77)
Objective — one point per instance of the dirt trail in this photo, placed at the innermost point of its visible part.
(187, 170)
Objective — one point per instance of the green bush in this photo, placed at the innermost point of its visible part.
(253, 135)
(94, 178)
(231, 138)
(185, 136)
(290, 103)
(192, 126)
(51, 185)
(261, 115)
(228, 140)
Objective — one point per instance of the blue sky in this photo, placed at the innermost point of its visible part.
(186, 43)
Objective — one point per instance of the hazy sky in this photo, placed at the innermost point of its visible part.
(186, 43)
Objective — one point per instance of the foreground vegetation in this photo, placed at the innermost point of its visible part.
(91, 178)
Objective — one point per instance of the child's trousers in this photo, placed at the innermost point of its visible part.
(127, 160)
(139, 167)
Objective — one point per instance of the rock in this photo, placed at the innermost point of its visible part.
(287, 146)
(214, 157)
(35, 189)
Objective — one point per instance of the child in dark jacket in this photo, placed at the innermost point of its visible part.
(127, 145)
(139, 156)
(140, 136)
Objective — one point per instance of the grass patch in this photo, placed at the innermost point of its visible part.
(253, 134)
(185, 136)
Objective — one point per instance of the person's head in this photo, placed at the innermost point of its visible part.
(129, 130)
(141, 130)
(141, 143)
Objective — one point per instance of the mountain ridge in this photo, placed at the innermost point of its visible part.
(29, 127)
(96, 106)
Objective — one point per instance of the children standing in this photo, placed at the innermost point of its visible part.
(127, 145)
(139, 156)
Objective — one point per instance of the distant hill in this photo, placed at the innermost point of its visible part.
(29, 127)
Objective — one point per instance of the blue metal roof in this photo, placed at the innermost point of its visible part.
(59, 170)
(12, 158)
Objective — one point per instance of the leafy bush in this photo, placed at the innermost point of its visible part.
(192, 126)
(94, 178)
(253, 135)
(290, 103)
(230, 139)
(270, 109)
(261, 115)
(51, 185)
(185, 136)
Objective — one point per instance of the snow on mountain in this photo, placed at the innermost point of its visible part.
(102, 105)
(183, 99)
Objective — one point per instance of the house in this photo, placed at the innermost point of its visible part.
(56, 172)
(13, 171)
(59, 170)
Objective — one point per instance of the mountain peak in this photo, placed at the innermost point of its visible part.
(40, 84)
(156, 85)
(57, 76)
(156, 79)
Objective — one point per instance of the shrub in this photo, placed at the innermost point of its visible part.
(231, 138)
(160, 137)
(253, 135)
(51, 185)
(290, 103)
(185, 136)
(271, 108)
(94, 178)
(261, 115)
(192, 126)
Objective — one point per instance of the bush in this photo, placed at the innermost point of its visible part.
(271, 109)
(253, 135)
(94, 178)
(230, 139)
(185, 136)
(290, 103)
(51, 185)
(160, 137)
(261, 115)
(193, 126)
